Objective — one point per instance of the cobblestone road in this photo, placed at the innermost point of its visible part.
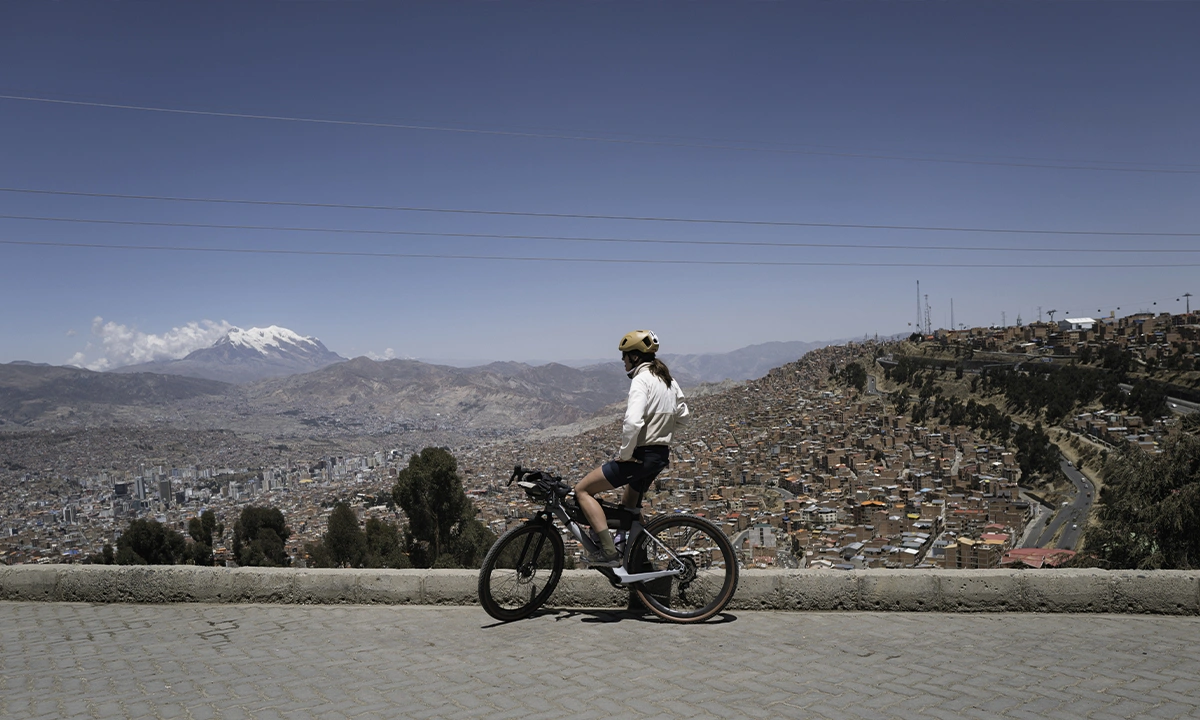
(62, 660)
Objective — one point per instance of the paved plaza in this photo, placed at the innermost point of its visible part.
(76, 660)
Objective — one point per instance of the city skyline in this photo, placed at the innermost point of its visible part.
(519, 182)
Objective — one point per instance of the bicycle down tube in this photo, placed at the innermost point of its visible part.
(621, 575)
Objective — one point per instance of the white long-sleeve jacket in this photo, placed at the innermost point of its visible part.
(652, 413)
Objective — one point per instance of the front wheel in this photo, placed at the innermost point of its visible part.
(704, 556)
(520, 571)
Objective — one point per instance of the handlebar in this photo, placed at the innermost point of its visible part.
(553, 483)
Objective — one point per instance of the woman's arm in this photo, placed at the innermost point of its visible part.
(682, 412)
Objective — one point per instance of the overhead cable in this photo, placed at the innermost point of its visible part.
(589, 239)
(540, 259)
(1102, 166)
(594, 216)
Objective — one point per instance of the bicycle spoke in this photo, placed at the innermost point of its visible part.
(520, 571)
(707, 565)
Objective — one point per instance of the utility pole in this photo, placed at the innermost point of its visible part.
(951, 313)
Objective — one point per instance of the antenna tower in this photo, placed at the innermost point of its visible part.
(918, 323)
(928, 324)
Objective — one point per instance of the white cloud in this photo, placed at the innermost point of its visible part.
(388, 354)
(71, 333)
(114, 345)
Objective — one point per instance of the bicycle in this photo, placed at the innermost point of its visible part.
(682, 567)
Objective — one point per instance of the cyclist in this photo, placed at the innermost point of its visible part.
(655, 408)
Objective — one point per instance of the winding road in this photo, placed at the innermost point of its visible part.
(1071, 516)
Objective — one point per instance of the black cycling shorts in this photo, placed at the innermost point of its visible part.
(648, 461)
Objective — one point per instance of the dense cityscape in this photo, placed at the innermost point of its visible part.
(799, 468)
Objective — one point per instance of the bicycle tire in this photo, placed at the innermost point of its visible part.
(710, 568)
(509, 586)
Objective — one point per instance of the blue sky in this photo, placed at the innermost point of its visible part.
(1045, 116)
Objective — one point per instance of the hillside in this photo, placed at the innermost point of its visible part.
(40, 395)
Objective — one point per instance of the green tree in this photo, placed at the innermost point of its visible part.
(385, 545)
(442, 528)
(345, 545)
(208, 519)
(1147, 400)
(258, 537)
(318, 555)
(344, 539)
(148, 542)
(1149, 510)
(104, 557)
(855, 376)
(201, 553)
(200, 529)
(1113, 358)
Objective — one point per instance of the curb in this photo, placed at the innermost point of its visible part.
(1164, 592)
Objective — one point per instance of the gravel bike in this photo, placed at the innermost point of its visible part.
(682, 567)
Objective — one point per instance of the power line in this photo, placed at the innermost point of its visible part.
(623, 261)
(1103, 166)
(588, 239)
(593, 216)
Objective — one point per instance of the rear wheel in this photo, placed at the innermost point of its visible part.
(521, 571)
(704, 556)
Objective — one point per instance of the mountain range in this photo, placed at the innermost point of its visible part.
(274, 382)
(242, 356)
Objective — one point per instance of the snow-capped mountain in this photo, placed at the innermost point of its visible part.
(242, 356)
(270, 342)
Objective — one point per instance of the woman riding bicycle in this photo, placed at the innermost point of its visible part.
(655, 408)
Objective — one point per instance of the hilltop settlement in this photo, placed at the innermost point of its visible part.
(811, 466)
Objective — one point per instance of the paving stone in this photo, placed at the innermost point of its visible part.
(230, 662)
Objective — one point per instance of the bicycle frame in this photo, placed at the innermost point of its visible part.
(618, 575)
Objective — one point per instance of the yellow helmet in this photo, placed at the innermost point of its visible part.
(642, 341)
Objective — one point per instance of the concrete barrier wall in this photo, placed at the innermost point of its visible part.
(1170, 592)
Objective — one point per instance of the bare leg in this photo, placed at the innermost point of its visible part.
(593, 482)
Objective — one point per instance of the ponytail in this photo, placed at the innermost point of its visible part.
(658, 367)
